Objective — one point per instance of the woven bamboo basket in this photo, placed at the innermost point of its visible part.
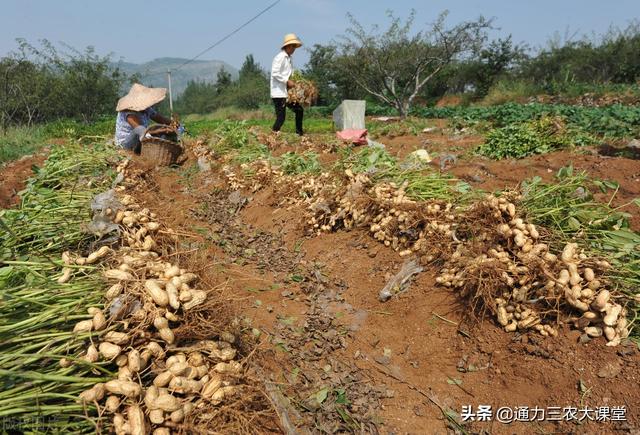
(159, 151)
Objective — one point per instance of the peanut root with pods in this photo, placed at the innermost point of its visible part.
(160, 382)
(489, 254)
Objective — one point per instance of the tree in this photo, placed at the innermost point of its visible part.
(252, 88)
(39, 84)
(395, 65)
(496, 59)
(609, 58)
(250, 68)
(24, 89)
(223, 80)
(198, 97)
(333, 84)
(248, 93)
(91, 84)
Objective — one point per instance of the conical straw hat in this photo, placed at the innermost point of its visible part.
(291, 39)
(140, 98)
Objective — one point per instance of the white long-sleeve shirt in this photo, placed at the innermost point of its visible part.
(281, 70)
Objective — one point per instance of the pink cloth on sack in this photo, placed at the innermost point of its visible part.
(357, 137)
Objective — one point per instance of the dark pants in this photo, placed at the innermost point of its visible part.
(281, 105)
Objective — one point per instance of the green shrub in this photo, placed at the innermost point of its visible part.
(42, 84)
(534, 137)
(616, 121)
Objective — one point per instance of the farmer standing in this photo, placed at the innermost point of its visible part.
(281, 70)
(135, 112)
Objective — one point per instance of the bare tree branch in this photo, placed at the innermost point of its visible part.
(395, 65)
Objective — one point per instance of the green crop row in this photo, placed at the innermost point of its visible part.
(615, 121)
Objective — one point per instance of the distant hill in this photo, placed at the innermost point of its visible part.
(154, 73)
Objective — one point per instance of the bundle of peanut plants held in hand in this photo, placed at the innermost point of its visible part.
(303, 91)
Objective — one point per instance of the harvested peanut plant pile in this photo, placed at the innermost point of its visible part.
(527, 277)
(42, 373)
(129, 362)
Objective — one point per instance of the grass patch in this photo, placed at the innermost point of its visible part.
(72, 129)
(236, 114)
(311, 125)
(520, 90)
(314, 121)
(505, 91)
(20, 141)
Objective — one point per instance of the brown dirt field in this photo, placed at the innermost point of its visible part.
(413, 354)
(13, 176)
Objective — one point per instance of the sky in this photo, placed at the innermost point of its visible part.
(141, 31)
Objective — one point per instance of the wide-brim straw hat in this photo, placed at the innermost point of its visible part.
(291, 39)
(140, 98)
